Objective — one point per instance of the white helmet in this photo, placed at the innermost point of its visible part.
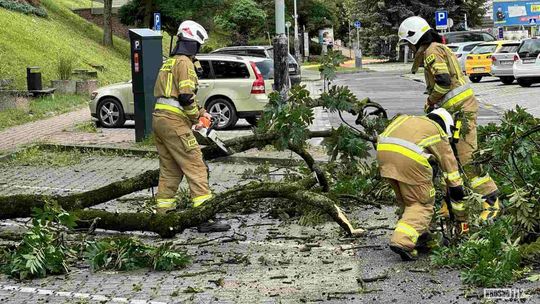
(447, 118)
(412, 29)
(191, 30)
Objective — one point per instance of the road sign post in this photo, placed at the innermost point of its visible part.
(358, 51)
(441, 20)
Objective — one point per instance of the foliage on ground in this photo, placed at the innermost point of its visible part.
(40, 108)
(33, 41)
(43, 250)
(46, 250)
(23, 7)
(130, 253)
(489, 258)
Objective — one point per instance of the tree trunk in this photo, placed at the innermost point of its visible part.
(107, 23)
(170, 224)
(148, 13)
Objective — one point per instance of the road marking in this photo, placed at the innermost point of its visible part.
(75, 295)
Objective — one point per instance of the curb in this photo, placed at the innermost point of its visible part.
(153, 153)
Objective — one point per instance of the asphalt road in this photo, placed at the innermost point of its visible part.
(397, 94)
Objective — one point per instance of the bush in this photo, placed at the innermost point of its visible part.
(24, 8)
(64, 67)
(315, 48)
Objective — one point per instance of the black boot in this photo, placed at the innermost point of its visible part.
(405, 254)
(213, 226)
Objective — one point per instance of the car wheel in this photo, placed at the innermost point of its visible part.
(110, 113)
(252, 121)
(524, 82)
(507, 80)
(475, 79)
(223, 110)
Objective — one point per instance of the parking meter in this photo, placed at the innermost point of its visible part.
(146, 60)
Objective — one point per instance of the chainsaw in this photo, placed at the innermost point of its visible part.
(207, 135)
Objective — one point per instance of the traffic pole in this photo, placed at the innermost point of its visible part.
(281, 69)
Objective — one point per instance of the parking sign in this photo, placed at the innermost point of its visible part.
(441, 20)
(157, 22)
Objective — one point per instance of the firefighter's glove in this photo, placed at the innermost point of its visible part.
(456, 193)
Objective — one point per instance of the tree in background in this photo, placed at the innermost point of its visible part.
(107, 23)
(381, 18)
(173, 12)
(241, 18)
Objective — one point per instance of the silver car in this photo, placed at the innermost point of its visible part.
(230, 87)
(462, 49)
(503, 62)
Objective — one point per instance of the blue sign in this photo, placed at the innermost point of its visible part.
(517, 12)
(501, 33)
(157, 22)
(441, 20)
(357, 24)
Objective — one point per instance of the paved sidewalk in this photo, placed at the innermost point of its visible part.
(39, 130)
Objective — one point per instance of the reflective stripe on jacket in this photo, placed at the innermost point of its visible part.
(407, 145)
(439, 60)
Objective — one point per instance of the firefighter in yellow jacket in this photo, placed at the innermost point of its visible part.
(449, 89)
(175, 113)
(405, 153)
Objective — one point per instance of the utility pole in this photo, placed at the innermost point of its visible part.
(281, 67)
(296, 38)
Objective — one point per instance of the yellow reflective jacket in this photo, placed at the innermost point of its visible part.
(439, 60)
(406, 147)
(177, 76)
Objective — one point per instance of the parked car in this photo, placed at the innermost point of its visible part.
(266, 51)
(478, 63)
(230, 87)
(502, 62)
(462, 49)
(466, 36)
(527, 62)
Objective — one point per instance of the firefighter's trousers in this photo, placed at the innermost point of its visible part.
(417, 202)
(465, 147)
(179, 155)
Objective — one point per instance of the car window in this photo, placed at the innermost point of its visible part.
(488, 37)
(469, 47)
(453, 48)
(484, 49)
(230, 69)
(266, 67)
(529, 48)
(256, 53)
(205, 69)
(508, 48)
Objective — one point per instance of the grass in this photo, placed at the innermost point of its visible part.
(34, 156)
(41, 108)
(33, 41)
(86, 127)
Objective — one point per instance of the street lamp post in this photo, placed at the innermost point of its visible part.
(296, 38)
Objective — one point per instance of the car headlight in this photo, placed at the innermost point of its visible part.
(93, 95)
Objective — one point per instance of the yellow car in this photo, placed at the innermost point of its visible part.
(478, 63)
